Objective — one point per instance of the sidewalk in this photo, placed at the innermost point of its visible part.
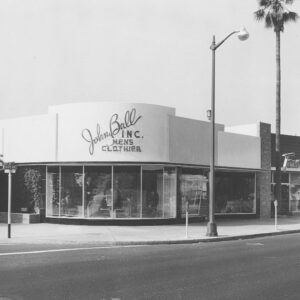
(45, 233)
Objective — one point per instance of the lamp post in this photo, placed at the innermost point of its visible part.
(211, 225)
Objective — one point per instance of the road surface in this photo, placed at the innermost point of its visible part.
(264, 268)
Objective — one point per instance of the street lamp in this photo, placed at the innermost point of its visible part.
(211, 225)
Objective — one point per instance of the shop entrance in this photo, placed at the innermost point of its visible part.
(3, 191)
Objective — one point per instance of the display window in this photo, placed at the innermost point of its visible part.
(99, 192)
(152, 191)
(193, 190)
(284, 177)
(169, 198)
(71, 204)
(295, 192)
(125, 195)
(148, 191)
(286, 190)
(234, 193)
(53, 191)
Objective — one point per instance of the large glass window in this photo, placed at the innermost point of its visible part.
(284, 177)
(235, 193)
(193, 188)
(53, 191)
(295, 192)
(71, 191)
(111, 192)
(152, 191)
(285, 191)
(169, 199)
(126, 192)
(97, 192)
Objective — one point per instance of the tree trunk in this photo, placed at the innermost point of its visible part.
(278, 197)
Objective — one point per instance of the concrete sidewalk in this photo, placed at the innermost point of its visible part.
(45, 233)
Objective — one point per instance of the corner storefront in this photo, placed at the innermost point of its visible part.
(129, 162)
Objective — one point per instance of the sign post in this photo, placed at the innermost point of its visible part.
(9, 168)
(275, 206)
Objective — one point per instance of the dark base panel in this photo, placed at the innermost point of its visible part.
(145, 222)
(237, 217)
(122, 222)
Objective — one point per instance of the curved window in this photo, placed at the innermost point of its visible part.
(126, 200)
(152, 191)
(97, 190)
(111, 192)
(169, 199)
(71, 191)
(53, 207)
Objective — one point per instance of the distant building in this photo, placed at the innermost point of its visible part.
(290, 177)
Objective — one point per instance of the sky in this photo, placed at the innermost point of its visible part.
(151, 51)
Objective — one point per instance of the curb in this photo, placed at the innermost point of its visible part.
(162, 242)
(206, 240)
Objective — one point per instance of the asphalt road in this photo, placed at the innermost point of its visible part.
(265, 268)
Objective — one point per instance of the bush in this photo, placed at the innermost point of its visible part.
(28, 189)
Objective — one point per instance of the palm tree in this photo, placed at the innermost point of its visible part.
(275, 14)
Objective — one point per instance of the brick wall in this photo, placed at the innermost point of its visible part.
(263, 178)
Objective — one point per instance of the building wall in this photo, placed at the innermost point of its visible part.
(122, 132)
(263, 178)
(113, 132)
(240, 151)
(288, 143)
(110, 133)
(190, 140)
(28, 139)
(248, 129)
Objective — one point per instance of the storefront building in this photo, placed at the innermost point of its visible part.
(290, 176)
(110, 162)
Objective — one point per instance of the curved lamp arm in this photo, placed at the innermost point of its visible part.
(216, 46)
(243, 34)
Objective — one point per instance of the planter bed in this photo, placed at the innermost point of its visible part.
(24, 218)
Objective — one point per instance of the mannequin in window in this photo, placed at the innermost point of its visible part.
(152, 202)
(65, 201)
(117, 198)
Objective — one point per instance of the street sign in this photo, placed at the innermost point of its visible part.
(10, 167)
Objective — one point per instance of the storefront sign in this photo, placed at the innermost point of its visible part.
(289, 162)
(293, 163)
(119, 136)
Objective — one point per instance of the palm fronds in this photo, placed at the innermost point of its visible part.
(275, 13)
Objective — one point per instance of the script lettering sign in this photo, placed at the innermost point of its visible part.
(120, 133)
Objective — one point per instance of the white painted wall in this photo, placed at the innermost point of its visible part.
(190, 140)
(240, 151)
(78, 127)
(72, 133)
(28, 139)
(246, 129)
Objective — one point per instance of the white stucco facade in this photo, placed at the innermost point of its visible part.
(122, 132)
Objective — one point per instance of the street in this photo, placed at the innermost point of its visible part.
(264, 268)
